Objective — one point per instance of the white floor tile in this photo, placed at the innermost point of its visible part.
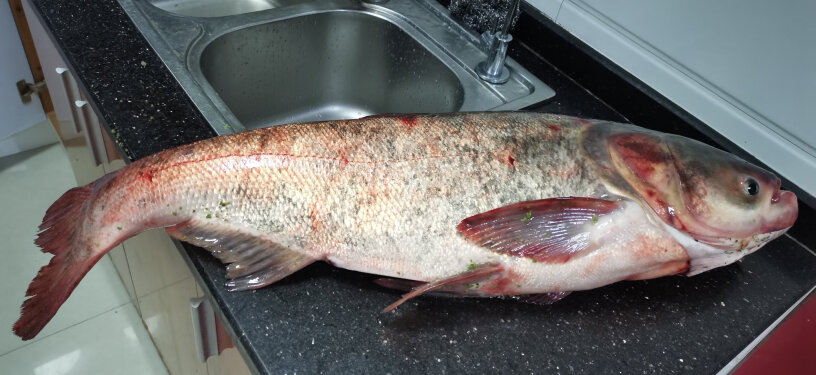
(30, 182)
(111, 343)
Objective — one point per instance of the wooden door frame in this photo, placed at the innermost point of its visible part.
(31, 53)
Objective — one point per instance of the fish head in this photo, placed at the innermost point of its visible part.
(710, 195)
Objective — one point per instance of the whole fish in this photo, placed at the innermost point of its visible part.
(478, 204)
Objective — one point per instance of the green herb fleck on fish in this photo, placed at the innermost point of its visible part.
(209, 216)
(175, 213)
(224, 204)
(471, 266)
(527, 217)
(594, 219)
(118, 228)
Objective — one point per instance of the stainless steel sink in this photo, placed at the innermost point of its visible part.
(254, 66)
(326, 66)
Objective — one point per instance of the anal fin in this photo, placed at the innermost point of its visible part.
(544, 298)
(475, 274)
(254, 261)
(456, 290)
(398, 284)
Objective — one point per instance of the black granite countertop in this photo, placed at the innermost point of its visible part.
(326, 319)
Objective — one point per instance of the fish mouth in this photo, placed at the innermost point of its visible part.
(777, 194)
(786, 206)
(783, 210)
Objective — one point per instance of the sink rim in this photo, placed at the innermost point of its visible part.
(155, 3)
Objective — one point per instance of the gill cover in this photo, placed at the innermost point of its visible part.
(713, 196)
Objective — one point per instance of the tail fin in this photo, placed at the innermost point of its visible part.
(73, 258)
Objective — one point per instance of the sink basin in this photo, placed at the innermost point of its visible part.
(256, 63)
(326, 66)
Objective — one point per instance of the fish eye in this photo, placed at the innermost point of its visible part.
(751, 186)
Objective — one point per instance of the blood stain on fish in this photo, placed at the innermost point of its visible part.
(147, 175)
(502, 285)
(409, 121)
(641, 154)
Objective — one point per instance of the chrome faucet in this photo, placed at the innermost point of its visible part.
(495, 42)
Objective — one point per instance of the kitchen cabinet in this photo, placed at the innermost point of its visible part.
(229, 361)
(164, 287)
(77, 126)
(166, 313)
(158, 281)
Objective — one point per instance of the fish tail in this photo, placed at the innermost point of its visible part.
(62, 233)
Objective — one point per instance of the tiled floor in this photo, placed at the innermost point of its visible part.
(97, 331)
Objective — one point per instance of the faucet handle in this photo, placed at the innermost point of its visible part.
(495, 44)
(488, 38)
(493, 70)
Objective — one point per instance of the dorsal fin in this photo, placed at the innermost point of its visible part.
(254, 260)
(547, 230)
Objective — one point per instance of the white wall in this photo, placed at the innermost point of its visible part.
(747, 68)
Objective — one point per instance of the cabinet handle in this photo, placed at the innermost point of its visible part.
(82, 127)
(93, 132)
(204, 329)
(68, 88)
(85, 121)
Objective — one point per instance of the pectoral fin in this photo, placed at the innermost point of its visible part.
(548, 230)
(254, 261)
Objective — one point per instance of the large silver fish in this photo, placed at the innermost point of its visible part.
(474, 204)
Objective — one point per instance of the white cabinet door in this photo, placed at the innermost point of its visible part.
(16, 115)
(747, 69)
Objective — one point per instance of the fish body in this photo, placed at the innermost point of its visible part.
(472, 204)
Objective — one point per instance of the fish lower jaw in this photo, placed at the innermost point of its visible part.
(704, 257)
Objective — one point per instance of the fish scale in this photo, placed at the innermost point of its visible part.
(470, 204)
(372, 193)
